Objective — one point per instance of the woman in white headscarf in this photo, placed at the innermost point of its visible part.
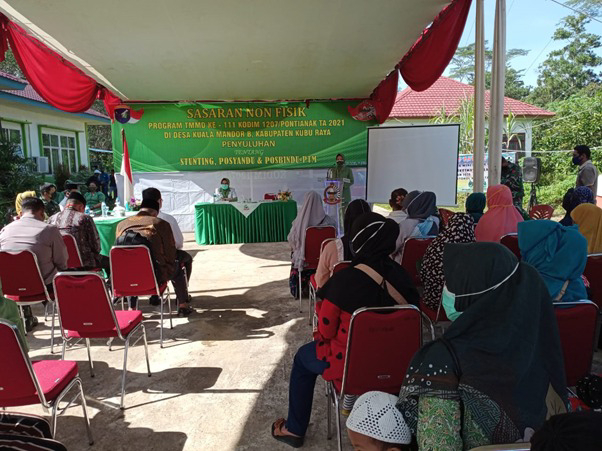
(311, 214)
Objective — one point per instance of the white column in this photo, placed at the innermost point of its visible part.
(478, 152)
(498, 79)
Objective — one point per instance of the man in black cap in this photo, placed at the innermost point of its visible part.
(163, 249)
(74, 221)
(47, 191)
(69, 188)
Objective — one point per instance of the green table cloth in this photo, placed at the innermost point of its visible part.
(222, 223)
(107, 228)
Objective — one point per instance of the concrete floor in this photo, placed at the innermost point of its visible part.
(222, 378)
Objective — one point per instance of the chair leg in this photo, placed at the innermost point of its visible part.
(161, 328)
(85, 410)
(146, 350)
(90, 357)
(300, 292)
(169, 311)
(310, 303)
(337, 413)
(23, 318)
(125, 362)
(52, 331)
(64, 349)
(328, 412)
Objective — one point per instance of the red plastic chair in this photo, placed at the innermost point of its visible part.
(380, 368)
(413, 251)
(86, 311)
(577, 324)
(270, 196)
(74, 260)
(314, 237)
(132, 274)
(511, 242)
(541, 212)
(45, 382)
(593, 273)
(445, 215)
(22, 282)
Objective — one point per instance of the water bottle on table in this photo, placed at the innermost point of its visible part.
(104, 209)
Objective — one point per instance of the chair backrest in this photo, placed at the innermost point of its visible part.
(398, 331)
(541, 212)
(324, 243)
(21, 276)
(577, 322)
(511, 242)
(17, 378)
(340, 266)
(445, 215)
(269, 196)
(132, 272)
(314, 236)
(593, 272)
(84, 305)
(74, 259)
(413, 251)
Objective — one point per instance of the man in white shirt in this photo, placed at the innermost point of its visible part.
(182, 256)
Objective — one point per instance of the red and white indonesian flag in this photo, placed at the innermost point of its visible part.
(126, 172)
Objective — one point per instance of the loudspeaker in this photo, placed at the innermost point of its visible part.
(531, 169)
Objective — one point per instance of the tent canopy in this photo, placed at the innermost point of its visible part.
(230, 50)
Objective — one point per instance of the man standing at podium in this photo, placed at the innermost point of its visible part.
(345, 175)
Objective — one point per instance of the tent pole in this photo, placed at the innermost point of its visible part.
(498, 79)
(478, 171)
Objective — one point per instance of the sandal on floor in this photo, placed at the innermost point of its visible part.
(291, 440)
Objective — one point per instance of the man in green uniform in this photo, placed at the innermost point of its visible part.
(345, 175)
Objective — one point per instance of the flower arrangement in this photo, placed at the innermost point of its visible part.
(135, 204)
(284, 195)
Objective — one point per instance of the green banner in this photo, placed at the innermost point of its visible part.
(232, 136)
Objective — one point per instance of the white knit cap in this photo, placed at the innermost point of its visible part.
(375, 415)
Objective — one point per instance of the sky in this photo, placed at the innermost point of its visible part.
(530, 25)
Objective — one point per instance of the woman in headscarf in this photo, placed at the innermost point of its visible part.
(501, 218)
(589, 219)
(397, 214)
(573, 198)
(559, 254)
(339, 250)
(20, 198)
(311, 214)
(460, 229)
(475, 205)
(422, 220)
(374, 280)
(497, 373)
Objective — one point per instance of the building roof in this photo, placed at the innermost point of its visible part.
(449, 94)
(27, 92)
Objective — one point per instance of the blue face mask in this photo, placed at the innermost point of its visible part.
(448, 300)
(577, 160)
(225, 186)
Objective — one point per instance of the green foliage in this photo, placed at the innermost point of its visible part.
(61, 175)
(464, 115)
(591, 7)
(101, 160)
(568, 70)
(10, 66)
(552, 194)
(462, 68)
(17, 174)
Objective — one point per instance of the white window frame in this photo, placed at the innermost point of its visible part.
(60, 134)
(8, 125)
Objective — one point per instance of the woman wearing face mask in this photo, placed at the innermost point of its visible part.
(374, 280)
(497, 373)
(94, 198)
(345, 175)
(225, 192)
(422, 219)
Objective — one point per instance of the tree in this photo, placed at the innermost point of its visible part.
(10, 66)
(464, 115)
(591, 7)
(568, 70)
(463, 69)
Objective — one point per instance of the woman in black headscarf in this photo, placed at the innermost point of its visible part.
(422, 220)
(497, 373)
(338, 250)
(374, 280)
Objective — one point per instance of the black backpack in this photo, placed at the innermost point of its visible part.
(133, 238)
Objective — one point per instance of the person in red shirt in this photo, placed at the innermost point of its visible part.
(373, 280)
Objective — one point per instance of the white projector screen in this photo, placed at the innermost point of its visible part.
(417, 157)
